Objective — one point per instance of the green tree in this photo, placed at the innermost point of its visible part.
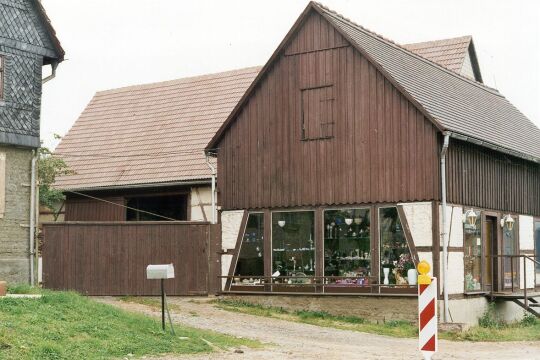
(49, 167)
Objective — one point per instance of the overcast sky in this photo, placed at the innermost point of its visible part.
(116, 43)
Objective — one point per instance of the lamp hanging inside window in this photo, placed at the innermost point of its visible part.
(470, 217)
(509, 221)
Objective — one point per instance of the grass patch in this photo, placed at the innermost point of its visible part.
(490, 328)
(65, 325)
(22, 289)
(321, 318)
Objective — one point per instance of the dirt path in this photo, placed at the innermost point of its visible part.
(290, 340)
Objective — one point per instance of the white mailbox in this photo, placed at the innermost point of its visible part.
(162, 271)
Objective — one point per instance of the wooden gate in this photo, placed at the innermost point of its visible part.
(110, 258)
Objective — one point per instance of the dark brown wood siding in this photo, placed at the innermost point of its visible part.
(488, 179)
(95, 210)
(382, 148)
(110, 258)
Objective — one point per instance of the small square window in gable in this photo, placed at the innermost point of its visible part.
(318, 113)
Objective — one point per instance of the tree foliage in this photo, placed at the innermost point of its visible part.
(49, 167)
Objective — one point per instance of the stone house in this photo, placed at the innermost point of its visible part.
(27, 44)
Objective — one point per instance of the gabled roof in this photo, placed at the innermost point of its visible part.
(450, 53)
(50, 30)
(150, 134)
(462, 106)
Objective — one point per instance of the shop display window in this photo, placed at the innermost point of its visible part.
(395, 255)
(251, 258)
(293, 245)
(472, 243)
(347, 246)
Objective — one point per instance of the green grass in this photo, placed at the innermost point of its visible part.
(22, 289)
(492, 329)
(65, 325)
(402, 329)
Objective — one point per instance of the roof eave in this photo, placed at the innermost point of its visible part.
(493, 146)
(203, 181)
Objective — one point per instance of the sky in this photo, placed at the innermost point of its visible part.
(111, 44)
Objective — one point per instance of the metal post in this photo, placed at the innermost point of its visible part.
(512, 271)
(162, 305)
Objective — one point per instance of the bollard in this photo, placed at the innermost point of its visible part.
(427, 311)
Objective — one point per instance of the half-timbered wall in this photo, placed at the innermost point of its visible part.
(380, 148)
(488, 179)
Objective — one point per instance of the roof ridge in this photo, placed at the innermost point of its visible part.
(469, 37)
(165, 82)
(402, 48)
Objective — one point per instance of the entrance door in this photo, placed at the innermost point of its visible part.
(491, 272)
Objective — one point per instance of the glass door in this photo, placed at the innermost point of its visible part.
(491, 278)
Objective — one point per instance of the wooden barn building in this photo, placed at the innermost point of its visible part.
(341, 163)
(350, 158)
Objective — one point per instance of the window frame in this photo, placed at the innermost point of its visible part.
(483, 259)
(332, 123)
(270, 256)
(371, 236)
(240, 240)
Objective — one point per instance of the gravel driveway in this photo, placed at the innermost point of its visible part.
(290, 340)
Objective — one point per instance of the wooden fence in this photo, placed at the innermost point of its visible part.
(110, 258)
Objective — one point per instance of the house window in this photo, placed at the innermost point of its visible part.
(395, 255)
(318, 113)
(2, 70)
(293, 244)
(251, 258)
(472, 247)
(347, 246)
(157, 208)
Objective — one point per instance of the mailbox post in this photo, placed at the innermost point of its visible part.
(161, 272)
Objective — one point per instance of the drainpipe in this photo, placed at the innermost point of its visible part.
(444, 233)
(32, 229)
(213, 169)
(54, 65)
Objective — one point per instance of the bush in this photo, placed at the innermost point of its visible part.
(528, 319)
(490, 319)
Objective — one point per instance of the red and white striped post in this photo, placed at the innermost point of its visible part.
(427, 311)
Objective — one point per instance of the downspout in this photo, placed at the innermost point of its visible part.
(213, 169)
(32, 229)
(443, 220)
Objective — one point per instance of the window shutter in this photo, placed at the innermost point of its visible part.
(2, 184)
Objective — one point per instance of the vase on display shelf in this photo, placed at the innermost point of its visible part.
(412, 276)
(386, 272)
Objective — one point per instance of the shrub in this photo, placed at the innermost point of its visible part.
(490, 318)
(528, 319)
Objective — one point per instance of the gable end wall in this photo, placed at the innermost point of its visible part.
(383, 149)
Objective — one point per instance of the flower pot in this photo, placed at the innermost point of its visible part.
(412, 276)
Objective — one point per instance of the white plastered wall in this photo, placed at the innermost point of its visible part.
(526, 246)
(420, 219)
(454, 229)
(201, 203)
(230, 227)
